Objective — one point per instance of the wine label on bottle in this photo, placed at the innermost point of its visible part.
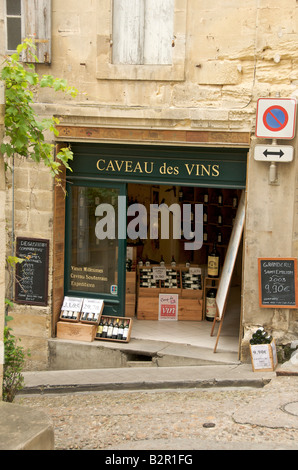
(213, 266)
(210, 307)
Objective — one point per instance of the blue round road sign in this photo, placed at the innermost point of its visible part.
(275, 118)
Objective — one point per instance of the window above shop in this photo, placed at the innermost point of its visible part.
(143, 32)
(32, 20)
(142, 40)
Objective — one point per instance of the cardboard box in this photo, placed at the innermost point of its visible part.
(263, 357)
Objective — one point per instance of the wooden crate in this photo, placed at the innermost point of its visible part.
(263, 357)
(130, 305)
(126, 319)
(76, 331)
(131, 282)
(190, 309)
(148, 307)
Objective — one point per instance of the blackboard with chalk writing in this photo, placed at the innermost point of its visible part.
(278, 282)
(31, 282)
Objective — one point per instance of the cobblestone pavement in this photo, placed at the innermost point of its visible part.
(174, 419)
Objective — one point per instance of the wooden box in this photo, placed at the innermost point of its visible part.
(127, 321)
(76, 331)
(190, 309)
(130, 305)
(148, 307)
(263, 357)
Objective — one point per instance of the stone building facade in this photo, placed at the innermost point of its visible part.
(223, 57)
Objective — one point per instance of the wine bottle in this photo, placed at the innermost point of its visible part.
(213, 262)
(219, 218)
(74, 315)
(84, 316)
(105, 328)
(69, 316)
(173, 262)
(90, 316)
(206, 197)
(110, 329)
(120, 330)
(162, 261)
(220, 199)
(205, 216)
(100, 329)
(115, 329)
(64, 314)
(125, 331)
(211, 303)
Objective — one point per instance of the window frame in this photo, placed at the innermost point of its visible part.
(114, 303)
(6, 16)
(105, 69)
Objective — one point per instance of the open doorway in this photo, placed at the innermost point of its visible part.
(142, 292)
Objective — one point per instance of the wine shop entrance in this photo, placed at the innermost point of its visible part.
(162, 270)
(144, 265)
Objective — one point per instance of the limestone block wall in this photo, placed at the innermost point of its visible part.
(29, 213)
(225, 56)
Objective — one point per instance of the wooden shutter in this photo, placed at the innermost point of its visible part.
(36, 15)
(159, 30)
(143, 32)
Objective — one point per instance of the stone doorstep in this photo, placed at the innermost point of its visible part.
(22, 428)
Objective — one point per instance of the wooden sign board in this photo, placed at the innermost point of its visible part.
(278, 282)
(31, 285)
(228, 267)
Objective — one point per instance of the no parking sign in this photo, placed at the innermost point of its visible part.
(276, 118)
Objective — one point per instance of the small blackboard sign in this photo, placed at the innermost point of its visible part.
(278, 282)
(31, 284)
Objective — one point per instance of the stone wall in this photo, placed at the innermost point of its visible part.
(226, 55)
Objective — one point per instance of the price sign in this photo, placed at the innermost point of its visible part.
(278, 282)
(93, 306)
(159, 274)
(72, 304)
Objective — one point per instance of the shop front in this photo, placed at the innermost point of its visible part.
(119, 250)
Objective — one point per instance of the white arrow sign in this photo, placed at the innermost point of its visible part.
(274, 153)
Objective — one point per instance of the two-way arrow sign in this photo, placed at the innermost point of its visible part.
(274, 153)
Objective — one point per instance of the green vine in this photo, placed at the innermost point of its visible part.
(14, 359)
(24, 133)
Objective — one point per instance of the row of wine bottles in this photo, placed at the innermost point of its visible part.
(85, 316)
(112, 328)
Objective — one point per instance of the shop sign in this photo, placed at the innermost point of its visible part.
(168, 307)
(213, 167)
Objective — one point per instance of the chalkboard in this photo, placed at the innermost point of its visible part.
(31, 283)
(278, 282)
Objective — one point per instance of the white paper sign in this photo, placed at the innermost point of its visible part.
(72, 304)
(92, 306)
(261, 357)
(159, 274)
(194, 271)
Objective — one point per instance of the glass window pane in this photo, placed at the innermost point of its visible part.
(14, 36)
(94, 262)
(13, 7)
